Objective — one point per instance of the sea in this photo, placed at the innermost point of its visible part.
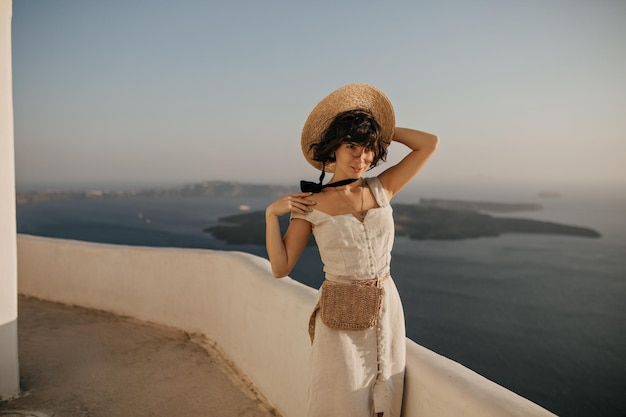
(542, 315)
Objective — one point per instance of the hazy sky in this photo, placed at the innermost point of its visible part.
(147, 92)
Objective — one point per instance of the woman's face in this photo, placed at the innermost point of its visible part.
(353, 160)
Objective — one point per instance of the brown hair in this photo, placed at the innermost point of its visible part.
(353, 126)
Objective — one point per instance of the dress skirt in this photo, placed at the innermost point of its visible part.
(360, 373)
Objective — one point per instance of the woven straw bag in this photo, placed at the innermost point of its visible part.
(353, 306)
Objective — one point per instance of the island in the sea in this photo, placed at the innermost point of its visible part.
(415, 221)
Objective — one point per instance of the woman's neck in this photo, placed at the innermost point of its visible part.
(356, 182)
(340, 177)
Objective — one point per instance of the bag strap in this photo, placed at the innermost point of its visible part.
(312, 322)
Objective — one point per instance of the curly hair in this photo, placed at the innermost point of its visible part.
(353, 126)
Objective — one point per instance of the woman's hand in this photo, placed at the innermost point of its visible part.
(291, 203)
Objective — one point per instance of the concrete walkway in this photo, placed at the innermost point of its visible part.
(76, 362)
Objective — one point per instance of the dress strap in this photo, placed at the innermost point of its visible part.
(309, 217)
(298, 216)
(378, 191)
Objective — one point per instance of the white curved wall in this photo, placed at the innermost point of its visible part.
(258, 321)
(9, 368)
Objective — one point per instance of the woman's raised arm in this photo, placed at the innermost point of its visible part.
(422, 146)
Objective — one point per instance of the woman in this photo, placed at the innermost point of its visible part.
(353, 372)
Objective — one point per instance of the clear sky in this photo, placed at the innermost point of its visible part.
(169, 92)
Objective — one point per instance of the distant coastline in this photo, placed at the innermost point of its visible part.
(201, 189)
(237, 189)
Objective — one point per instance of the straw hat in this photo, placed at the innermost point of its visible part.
(349, 97)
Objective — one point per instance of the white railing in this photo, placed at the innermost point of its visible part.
(259, 322)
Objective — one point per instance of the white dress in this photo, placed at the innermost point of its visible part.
(358, 373)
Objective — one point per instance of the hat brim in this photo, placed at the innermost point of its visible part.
(349, 97)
